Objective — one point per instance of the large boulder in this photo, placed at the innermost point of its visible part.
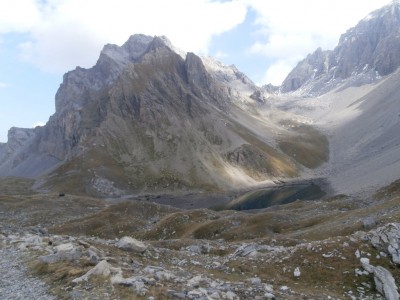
(385, 283)
(103, 268)
(130, 244)
(387, 239)
(62, 252)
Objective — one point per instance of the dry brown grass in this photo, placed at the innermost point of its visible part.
(306, 145)
(300, 220)
(277, 162)
(76, 175)
(46, 210)
(126, 218)
(390, 191)
(16, 186)
(58, 275)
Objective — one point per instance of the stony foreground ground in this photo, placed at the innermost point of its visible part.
(76, 247)
(93, 268)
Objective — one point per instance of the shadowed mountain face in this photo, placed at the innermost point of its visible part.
(148, 118)
(364, 53)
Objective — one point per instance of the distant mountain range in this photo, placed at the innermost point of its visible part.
(151, 118)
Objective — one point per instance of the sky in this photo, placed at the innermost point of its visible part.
(40, 40)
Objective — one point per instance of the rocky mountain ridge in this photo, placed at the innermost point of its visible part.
(364, 54)
(148, 116)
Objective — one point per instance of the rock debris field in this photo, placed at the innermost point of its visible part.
(15, 280)
(125, 268)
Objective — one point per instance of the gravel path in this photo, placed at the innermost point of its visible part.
(15, 282)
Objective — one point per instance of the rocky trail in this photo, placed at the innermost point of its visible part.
(15, 280)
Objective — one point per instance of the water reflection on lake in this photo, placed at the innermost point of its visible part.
(266, 197)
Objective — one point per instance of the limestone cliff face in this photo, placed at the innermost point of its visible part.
(364, 53)
(314, 66)
(18, 157)
(80, 91)
(17, 138)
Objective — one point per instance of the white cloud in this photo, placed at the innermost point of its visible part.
(278, 71)
(3, 85)
(18, 15)
(67, 33)
(221, 54)
(284, 45)
(289, 30)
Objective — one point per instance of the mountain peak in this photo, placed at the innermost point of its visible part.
(364, 53)
(131, 50)
(387, 10)
(136, 41)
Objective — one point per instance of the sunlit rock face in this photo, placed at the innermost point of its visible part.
(364, 54)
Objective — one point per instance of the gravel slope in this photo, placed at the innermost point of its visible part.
(15, 282)
(362, 124)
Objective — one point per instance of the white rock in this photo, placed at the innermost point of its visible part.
(255, 281)
(118, 279)
(284, 289)
(195, 294)
(215, 296)
(216, 264)
(297, 272)
(385, 283)
(387, 239)
(164, 275)
(393, 249)
(137, 283)
(130, 244)
(32, 240)
(366, 265)
(231, 295)
(103, 268)
(63, 252)
(68, 247)
(357, 253)
(269, 296)
(195, 281)
(254, 254)
(359, 272)
(246, 250)
(268, 288)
